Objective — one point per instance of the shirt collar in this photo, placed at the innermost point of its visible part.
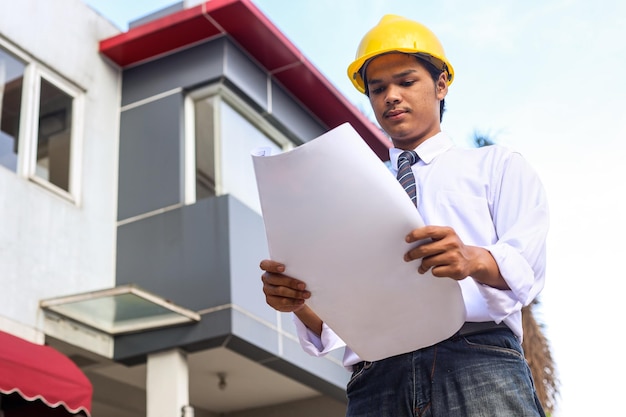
(427, 150)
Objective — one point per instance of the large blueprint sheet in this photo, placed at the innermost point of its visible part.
(337, 218)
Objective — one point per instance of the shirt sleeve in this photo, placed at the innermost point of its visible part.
(520, 215)
(315, 345)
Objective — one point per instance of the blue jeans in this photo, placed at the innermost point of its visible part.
(480, 375)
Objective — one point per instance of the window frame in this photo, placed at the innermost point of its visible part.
(34, 73)
(219, 92)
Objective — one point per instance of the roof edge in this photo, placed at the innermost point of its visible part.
(253, 32)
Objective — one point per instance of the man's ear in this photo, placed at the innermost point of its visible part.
(442, 85)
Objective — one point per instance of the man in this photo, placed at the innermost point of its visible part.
(487, 220)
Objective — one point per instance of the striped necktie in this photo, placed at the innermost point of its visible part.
(405, 174)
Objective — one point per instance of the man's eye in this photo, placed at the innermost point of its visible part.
(407, 83)
(377, 90)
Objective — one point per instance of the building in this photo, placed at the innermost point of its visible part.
(132, 232)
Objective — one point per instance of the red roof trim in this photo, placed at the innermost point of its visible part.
(38, 372)
(255, 33)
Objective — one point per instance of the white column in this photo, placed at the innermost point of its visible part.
(167, 384)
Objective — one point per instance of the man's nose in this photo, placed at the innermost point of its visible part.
(393, 95)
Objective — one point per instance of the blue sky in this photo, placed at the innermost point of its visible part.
(545, 78)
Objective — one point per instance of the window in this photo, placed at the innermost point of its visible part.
(225, 131)
(54, 135)
(205, 152)
(11, 80)
(38, 124)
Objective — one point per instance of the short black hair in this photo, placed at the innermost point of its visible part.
(434, 73)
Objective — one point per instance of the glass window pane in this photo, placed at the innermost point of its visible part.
(120, 310)
(11, 76)
(238, 139)
(54, 135)
(205, 151)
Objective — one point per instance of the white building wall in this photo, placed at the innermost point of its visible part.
(50, 246)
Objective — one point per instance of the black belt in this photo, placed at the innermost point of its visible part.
(475, 327)
(468, 328)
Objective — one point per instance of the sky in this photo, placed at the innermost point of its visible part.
(543, 77)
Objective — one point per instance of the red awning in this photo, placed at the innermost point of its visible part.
(42, 373)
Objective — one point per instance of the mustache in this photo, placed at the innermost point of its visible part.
(395, 110)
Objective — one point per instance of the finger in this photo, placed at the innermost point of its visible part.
(284, 286)
(272, 266)
(416, 235)
(413, 254)
(421, 233)
(443, 265)
(440, 239)
(426, 248)
(284, 305)
(431, 262)
(281, 280)
(428, 233)
(448, 271)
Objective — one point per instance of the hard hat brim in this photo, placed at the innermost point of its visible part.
(356, 68)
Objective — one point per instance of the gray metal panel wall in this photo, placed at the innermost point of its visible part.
(248, 246)
(290, 114)
(247, 76)
(199, 256)
(150, 156)
(203, 255)
(210, 61)
(152, 126)
(187, 68)
(182, 254)
(206, 255)
(194, 67)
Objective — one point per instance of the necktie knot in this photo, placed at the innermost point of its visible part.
(409, 156)
(405, 173)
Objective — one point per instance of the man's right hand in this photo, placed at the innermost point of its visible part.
(282, 292)
(287, 294)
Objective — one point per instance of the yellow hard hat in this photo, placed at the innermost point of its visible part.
(398, 34)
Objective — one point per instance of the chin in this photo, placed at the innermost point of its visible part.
(401, 135)
(400, 130)
(406, 142)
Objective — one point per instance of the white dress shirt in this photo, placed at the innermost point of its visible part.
(492, 198)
